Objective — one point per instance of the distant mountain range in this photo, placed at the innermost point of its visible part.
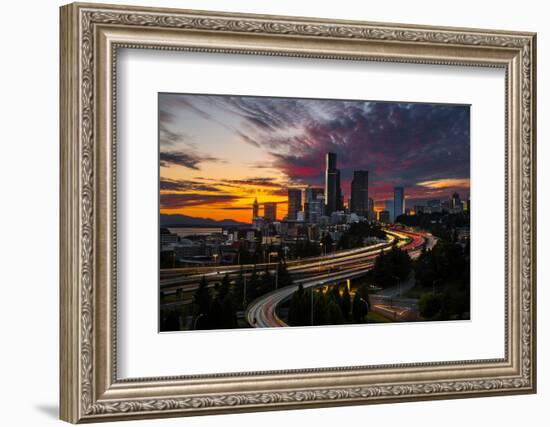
(190, 221)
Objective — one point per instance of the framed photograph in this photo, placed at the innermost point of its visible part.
(265, 212)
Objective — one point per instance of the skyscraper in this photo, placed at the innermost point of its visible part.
(389, 209)
(398, 202)
(270, 211)
(333, 192)
(294, 202)
(255, 209)
(359, 203)
(456, 204)
(371, 216)
(313, 203)
(384, 216)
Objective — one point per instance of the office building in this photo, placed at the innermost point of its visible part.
(372, 215)
(315, 210)
(270, 211)
(434, 205)
(294, 202)
(419, 209)
(456, 204)
(359, 203)
(398, 202)
(255, 209)
(384, 216)
(389, 209)
(312, 193)
(333, 192)
(313, 201)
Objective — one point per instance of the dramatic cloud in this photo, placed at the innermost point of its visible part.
(399, 143)
(184, 185)
(188, 160)
(423, 147)
(176, 200)
(446, 183)
(168, 137)
(260, 182)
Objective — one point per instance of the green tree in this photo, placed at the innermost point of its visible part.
(346, 303)
(253, 287)
(224, 287)
(170, 320)
(228, 312)
(327, 242)
(202, 297)
(334, 315)
(215, 314)
(238, 289)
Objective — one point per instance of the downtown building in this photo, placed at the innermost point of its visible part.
(398, 202)
(333, 191)
(314, 204)
(255, 209)
(359, 203)
(294, 203)
(270, 211)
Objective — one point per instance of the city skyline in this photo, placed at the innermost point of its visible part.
(220, 153)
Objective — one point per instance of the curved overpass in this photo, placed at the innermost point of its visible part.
(261, 313)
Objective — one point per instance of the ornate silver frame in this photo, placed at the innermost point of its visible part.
(90, 36)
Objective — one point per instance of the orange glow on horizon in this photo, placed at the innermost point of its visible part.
(446, 183)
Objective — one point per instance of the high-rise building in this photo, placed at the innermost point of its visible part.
(270, 211)
(315, 210)
(312, 193)
(389, 209)
(294, 202)
(419, 209)
(456, 204)
(255, 209)
(371, 216)
(434, 205)
(313, 203)
(384, 216)
(398, 202)
(333, 192)
(359, 203)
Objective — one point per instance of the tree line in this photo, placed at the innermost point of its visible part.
(440, 224)
(216, 307)
(334, 307)
(444, 275)
(355, 236)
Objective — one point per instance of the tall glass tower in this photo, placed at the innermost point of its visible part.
(398, 202)
(359, 203)
(333, 192)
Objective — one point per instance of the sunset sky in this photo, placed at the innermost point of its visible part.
(217, 153)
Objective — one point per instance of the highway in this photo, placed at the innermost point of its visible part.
(174, 278)
(261, 313)
(188, 279)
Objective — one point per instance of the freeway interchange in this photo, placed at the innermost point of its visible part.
(310, 272)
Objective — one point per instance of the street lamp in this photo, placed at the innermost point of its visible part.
(311, 306)
(215, 256)
(244, 291)
(196, 320)
(398, 284)
(366, 304)
(320, 244)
